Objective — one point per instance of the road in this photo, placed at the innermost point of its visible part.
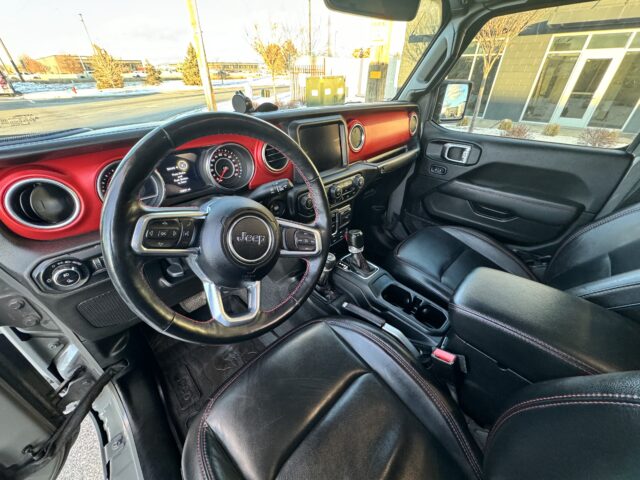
(21, 116)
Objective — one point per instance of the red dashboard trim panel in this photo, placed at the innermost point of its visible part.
(383, 131)
(79, 172)
(79, 169)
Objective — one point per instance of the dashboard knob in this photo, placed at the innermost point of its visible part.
(306, 204)
(358, 181)
(66, 276)
(335, 192)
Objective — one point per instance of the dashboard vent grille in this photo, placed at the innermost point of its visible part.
(274, 159)
(42, 203)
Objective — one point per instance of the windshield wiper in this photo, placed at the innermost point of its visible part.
(31, 137)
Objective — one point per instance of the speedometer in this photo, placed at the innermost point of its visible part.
(229, 166)
(151, 194)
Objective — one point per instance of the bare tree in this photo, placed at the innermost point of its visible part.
(493, 39)
(273, 58)
(420, 31)
(278, 52)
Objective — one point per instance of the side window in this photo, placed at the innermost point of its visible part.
(568, 74)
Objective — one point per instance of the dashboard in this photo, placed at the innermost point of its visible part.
(52, 192)
(76, 180)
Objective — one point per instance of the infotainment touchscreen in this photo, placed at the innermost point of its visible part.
(322, 144)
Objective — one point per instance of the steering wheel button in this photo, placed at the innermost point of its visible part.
(160, 243)
(304, 241)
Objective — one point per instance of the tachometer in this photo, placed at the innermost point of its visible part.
(229, 166)
(151, 194)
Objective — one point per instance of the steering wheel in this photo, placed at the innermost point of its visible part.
(230, 242)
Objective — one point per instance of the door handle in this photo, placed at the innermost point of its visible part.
(456, 152)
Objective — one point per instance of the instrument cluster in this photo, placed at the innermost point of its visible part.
(224, 168)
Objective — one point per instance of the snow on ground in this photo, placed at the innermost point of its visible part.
(564, 139)
(66, 90)
(53, 91)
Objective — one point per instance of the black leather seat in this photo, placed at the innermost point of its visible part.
(599, 262)
(339, 399)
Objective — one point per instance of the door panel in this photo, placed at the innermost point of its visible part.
(523, 192)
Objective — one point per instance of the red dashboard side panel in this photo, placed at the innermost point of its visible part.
(79, 172)
(383, 131)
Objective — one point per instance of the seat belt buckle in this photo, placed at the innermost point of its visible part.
(448, 366)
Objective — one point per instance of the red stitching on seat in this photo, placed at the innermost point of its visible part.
(431, 393)
(590, 227)
(526, 408)
(574, 362)
(201, 441)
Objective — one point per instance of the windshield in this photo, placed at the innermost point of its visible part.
(74, 64)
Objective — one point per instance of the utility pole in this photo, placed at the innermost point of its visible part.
(202, 56)
(329, 44)
(13, 64)
(309, 28)
(86, 30)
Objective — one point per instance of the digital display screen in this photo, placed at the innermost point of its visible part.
(322, 144)
(180, 174)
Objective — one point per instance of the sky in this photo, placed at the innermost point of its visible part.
(159, 30)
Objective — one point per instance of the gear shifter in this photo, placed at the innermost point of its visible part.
(356, 261)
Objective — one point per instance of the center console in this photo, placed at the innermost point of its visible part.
(359, 281)
(501, 332)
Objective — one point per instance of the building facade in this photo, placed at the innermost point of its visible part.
(65, 64)
(576, 66)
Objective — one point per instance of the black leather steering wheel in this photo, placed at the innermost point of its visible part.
(239, 239)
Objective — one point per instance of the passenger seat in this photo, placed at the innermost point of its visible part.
(599, 262)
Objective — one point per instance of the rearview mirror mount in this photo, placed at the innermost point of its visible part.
(452, 100)
(397, 10)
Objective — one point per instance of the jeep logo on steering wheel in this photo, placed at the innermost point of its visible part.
(250, 239)
(245, 237)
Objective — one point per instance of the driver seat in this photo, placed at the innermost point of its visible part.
(337, 398)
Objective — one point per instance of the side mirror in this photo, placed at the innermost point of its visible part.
(452, 101)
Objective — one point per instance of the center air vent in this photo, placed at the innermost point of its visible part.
(274, 159)
(42, 203)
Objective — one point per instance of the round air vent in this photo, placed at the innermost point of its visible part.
(42, 203)
(274, 159)
(413, 123)
(356, 137)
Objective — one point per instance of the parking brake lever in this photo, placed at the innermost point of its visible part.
(369, 317)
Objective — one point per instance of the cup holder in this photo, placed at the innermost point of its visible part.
(397, 296)
(430, 316)
(422, 310)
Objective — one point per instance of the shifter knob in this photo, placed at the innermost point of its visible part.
(331, 262)
(355, 240)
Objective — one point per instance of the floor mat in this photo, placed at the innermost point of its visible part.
(192, 373)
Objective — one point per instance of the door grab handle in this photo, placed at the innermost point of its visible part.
(465, 150)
